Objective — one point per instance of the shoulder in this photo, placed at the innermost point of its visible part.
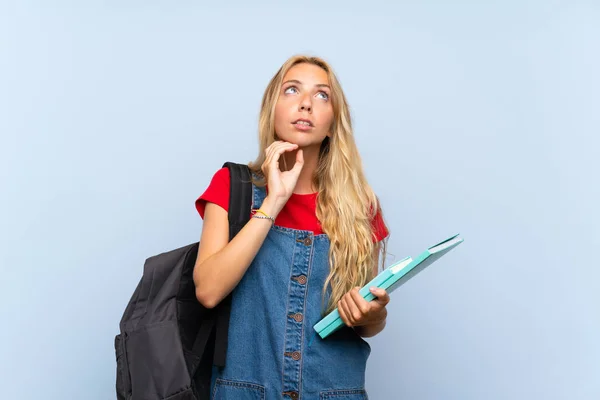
(217, 192)
(221, 176)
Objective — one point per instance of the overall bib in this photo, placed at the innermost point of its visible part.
(273, 351)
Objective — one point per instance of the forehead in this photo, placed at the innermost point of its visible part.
(307, 74)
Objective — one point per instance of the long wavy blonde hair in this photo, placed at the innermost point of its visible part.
(346, 204)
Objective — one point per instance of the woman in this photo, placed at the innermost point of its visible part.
(314, 239)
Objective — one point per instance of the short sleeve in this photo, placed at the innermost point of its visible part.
(379, 228)
(217, 192)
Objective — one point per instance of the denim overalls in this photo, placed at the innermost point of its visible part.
(273, 351)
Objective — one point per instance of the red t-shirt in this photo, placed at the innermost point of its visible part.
(298, 213)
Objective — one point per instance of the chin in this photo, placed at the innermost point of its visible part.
(302, 139)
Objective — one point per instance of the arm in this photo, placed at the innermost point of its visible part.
(221, 263)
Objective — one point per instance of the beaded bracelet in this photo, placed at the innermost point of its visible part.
(263, 216)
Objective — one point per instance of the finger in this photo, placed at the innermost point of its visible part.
(272, 156)
(299, 162)
(283, 147)
(272, 144)
(349, 316)
(278, 150)
(343, 314)
(268, 151)
(275, 145)
(360, 302)
(353, 310)
(382, 296)
(270, 148)
(349, 310)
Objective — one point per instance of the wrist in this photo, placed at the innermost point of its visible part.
(371, 329)
(272, 206)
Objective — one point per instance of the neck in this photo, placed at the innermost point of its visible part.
(305, 180)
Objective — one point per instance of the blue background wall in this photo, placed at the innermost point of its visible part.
(475, 118)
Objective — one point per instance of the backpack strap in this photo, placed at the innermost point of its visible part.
(240, 197)
(240, 204)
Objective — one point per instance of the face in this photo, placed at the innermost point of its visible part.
(304, 113)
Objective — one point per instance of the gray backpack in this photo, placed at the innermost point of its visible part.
(169, 342)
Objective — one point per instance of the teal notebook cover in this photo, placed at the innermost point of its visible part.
(390, 279)
(364, 292)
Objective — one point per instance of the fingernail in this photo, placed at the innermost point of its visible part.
(373, 289)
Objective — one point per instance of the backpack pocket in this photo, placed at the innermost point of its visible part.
(156, 362)
(185, 395)
(226, 389)
(123, 385)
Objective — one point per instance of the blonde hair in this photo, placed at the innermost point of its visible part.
(346, 204)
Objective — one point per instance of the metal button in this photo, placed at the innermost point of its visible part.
(295, 355)
(297, 317)
(301, 279)
(293, 395)
(307, 241)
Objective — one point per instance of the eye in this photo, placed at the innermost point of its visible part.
(291, 89)
(325, 96)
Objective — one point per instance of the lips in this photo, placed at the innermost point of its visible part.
(303, 122)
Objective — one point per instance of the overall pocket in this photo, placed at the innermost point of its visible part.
(344, 394)
(235, 390)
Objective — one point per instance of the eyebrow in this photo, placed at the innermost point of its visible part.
(300, 83)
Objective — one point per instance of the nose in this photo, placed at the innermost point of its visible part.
(305, 104)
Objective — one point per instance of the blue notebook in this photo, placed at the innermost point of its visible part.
(390, 279)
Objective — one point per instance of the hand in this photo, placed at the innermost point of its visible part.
(281, 184)
(356, 311)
